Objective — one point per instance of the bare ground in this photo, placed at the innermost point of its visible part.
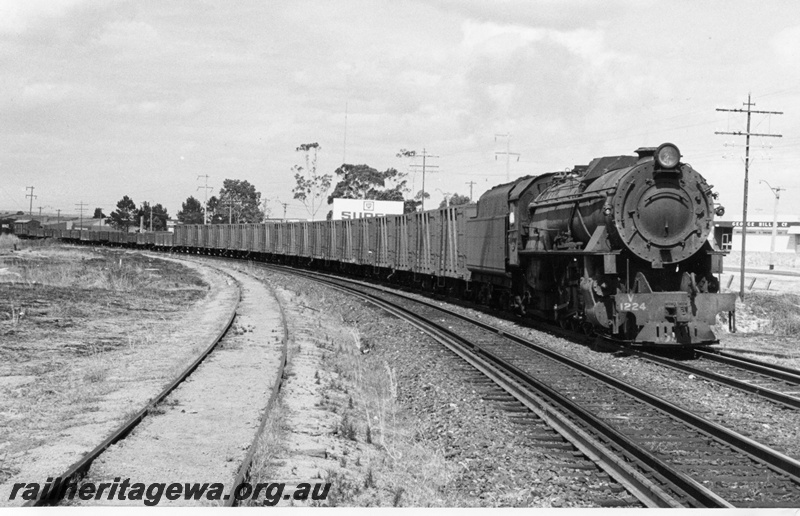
(87, 337)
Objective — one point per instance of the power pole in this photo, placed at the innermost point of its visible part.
(151, 217)
(59, 217)
(284, 204)
(777, 192)
(81, 205)
(747, 134)
(507, 152)
(229, 203)
(425, 166)
(470, 183)
(205, 206)
(30, 209)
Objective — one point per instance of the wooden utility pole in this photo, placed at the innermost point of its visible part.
(205, 206)
(507, 152)
(284, 204)
(30, 208)
(424, 167)
(81, 205)
(471, 184)
(747, 134)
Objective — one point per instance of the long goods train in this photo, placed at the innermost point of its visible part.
(619, 247)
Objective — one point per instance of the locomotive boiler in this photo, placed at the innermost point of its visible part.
(622, 245)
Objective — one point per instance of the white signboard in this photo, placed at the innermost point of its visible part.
(359, 208)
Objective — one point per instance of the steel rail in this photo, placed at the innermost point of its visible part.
(776, 371)
(505, 375)
(755, 450)
(79, 468)
(765, 392)
(243, 473)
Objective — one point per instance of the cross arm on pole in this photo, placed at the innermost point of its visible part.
(743, 133)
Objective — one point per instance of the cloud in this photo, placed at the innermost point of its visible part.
(17, 15)
(502, 40)
(131, 35)
(786, 45)
(32, 95)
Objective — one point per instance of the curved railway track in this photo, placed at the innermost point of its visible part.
(664, 455)
(79, 469)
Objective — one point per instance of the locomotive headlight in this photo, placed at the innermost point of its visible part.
(667, 155)
(719, 211)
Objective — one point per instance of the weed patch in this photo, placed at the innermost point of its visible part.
(782, 310)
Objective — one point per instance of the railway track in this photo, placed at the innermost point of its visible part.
(664, 455)
(770, 381)
(83, 469)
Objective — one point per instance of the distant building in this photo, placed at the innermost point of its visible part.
(728, 234)
(22, 225)
(7, 224)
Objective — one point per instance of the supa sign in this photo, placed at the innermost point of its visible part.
(360, 208)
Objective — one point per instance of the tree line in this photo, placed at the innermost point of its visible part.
(238, 201)
(357, 182)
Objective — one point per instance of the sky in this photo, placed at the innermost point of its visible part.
(105, 98)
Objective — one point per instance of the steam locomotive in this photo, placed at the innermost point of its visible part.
(618, 247)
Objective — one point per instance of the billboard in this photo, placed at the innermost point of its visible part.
(360, 208)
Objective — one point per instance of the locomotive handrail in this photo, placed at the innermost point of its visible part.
(572, 198)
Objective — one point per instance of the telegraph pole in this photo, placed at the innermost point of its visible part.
(470, 183)
(30, 209)
(777, 192)
(205, 206)
(59, 217)
(229, 203)
(284, 204)
(81, 205)
(747, 134)
(507, 152)
(425, 166)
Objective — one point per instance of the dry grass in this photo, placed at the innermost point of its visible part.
(8, 242)
(104, 273)
(781, 310)
(401, 468)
